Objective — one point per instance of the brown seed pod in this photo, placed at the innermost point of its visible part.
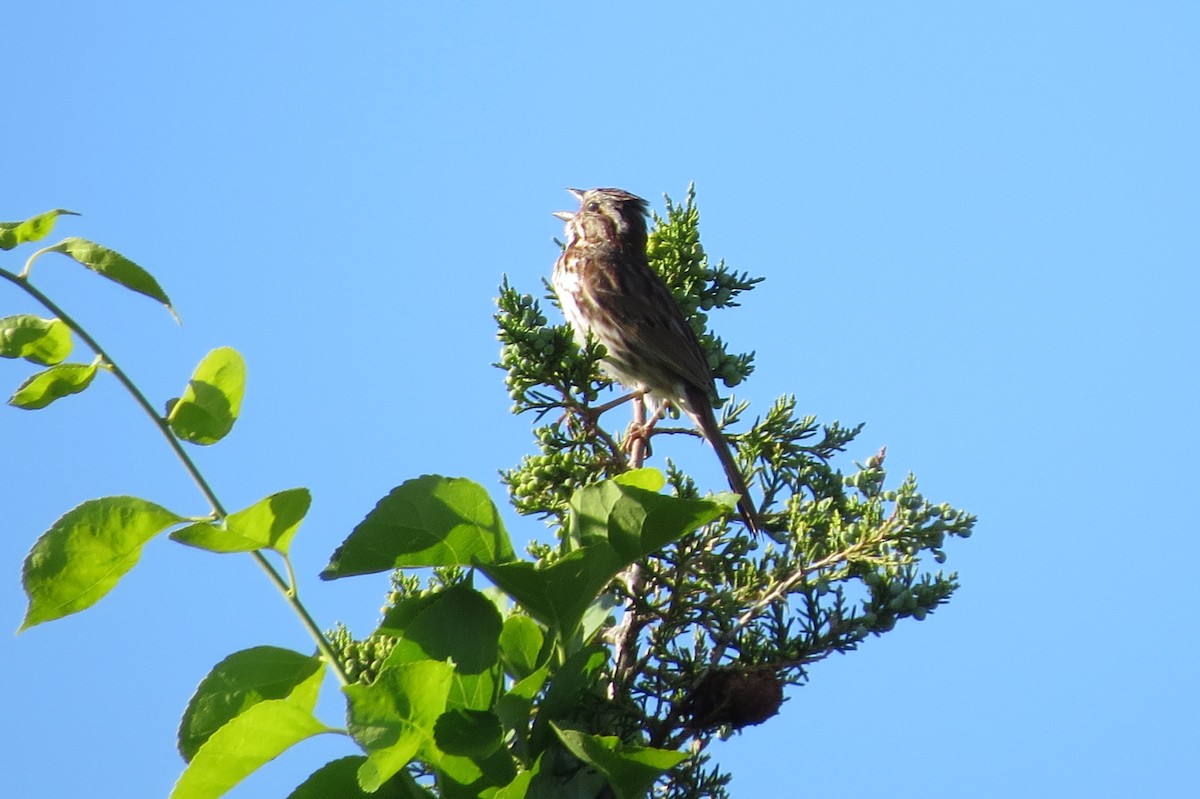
(734, 696)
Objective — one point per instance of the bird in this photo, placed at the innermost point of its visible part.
(607, 288)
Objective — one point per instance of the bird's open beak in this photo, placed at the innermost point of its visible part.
(567, 216)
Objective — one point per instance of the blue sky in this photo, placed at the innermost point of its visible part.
(979, 228)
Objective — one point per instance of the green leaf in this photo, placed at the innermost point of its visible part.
(83, 554)
(614, 524)
(48, 385)
(114, 266)
(574, 678)
(42, 341)
(338, 779)
(560, 775)
(470, 733)
(521, 642)
(460, 777)
(429, 521)
(241, 681)
(637, 521)
(457, 623)
(519, 787)
(32, 229)
(268, 523)
(630, 770)
(255, 737)
(393, 718)
(212, 400)
(476, 691)
(214, 537)
(597, 615)
(515, 706)
(560, 594)
(648, 479)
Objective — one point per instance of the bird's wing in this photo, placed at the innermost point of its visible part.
(640, 309)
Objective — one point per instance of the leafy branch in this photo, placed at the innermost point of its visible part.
(194, 418)
(715, 624)
(457, 692)
(606, 664)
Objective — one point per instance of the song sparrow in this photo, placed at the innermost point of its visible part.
(606, 287)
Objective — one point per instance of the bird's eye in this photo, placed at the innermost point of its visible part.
(593, 207)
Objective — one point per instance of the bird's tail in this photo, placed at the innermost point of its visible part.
(702, 413)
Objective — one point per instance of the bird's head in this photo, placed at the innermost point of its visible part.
(607, 215)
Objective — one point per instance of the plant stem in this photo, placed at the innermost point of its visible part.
(630, 628)
(288, 591)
